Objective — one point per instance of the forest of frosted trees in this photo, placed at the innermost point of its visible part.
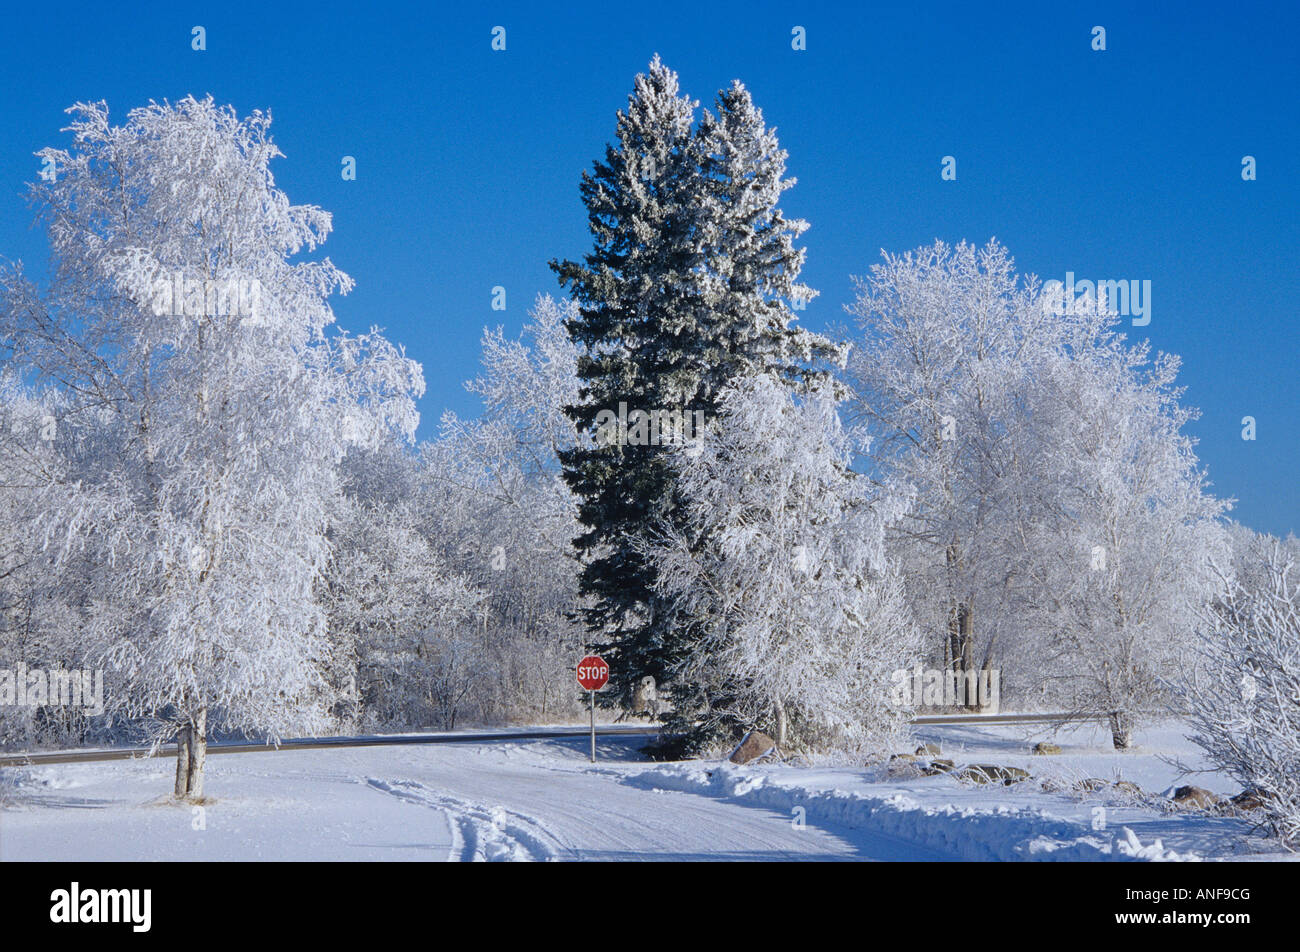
(214, 495)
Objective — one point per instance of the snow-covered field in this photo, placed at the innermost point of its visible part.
(542, 800)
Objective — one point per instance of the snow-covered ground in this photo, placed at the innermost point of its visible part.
(542, 800)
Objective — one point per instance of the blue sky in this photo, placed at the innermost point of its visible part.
(1119, 164)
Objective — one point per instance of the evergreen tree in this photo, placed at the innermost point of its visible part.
(749, 279)
(689, 287)
(633, 293)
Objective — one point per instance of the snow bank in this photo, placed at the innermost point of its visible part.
(986, 834)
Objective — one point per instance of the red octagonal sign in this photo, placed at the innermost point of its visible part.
(593, 673)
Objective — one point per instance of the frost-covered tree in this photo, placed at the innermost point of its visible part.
(782, 568)
(498, 510)
(635, 292)
(689, 286)
(1254, 552)
(1242, 698)
(1062, 529)
(1116, 537)
(749, 267)
(405, 622)
(183, 310)
(40, 613)
(946, 337)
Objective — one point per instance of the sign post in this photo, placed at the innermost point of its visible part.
(593, 674)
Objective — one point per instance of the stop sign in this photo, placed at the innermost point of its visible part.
(593, 672)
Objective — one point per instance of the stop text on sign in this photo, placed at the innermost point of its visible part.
(593, 673)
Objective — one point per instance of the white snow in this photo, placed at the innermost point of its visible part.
(541, 800)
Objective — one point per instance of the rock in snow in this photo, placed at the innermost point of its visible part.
(1194, 798)
(755, 745)
(987, 773)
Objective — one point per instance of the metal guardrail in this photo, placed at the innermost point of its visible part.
(470, 737)
(319, 743)
(976, 719)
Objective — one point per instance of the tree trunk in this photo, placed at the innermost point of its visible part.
(986, 677)
(952, 650)
(780, 723)
(1121, 730)
(198, 753)
(961, 652)
(182, 761)
(967, 656)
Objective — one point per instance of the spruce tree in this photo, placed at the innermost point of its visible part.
(631, 292)
(688, 287)
(748, 283)
(750, 280)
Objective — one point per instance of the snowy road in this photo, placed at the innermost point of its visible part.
(540, 800)
(536, 800)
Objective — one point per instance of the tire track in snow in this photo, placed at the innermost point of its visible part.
(480, 833)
